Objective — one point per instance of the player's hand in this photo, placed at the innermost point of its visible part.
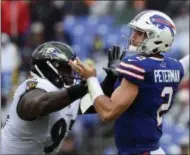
(114, 58)
(84, 69)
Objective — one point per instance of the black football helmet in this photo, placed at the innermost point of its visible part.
(50, 61)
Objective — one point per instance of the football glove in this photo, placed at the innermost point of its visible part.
(114, 58)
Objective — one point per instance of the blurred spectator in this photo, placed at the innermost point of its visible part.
(10, 60)
(100, 8)
(37, 34)
(47, 13)
(157, 5)
(98, 55)
(61, 34)
(98, 47)
(76, 8)
(139, 5)
(34, 39)
(89, 3)
(69, 147)
(184, 145)
(15, 19)
(178, 8)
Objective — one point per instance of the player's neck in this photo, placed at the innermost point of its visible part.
(157, 55)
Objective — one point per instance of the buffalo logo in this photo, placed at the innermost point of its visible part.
(162, 23)
(31, 84)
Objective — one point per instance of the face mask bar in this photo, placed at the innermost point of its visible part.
(71, 79)
(128, 38)
(136, 44)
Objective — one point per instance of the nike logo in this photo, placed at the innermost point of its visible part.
(132, 60)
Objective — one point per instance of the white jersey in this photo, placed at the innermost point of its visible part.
(41, 136)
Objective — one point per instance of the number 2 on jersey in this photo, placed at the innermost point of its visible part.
(164, 106)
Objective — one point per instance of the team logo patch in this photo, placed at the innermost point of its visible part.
(31, 84)
(163, 64)
(162, 23)
(56, 54)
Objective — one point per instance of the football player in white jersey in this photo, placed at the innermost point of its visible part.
(46, 105)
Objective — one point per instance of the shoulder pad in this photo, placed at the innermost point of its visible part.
(132, 69)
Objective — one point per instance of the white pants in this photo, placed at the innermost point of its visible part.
(156, 152)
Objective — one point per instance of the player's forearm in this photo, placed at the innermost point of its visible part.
(103, 106)
(55, 101)
(38, 103)
(86, 105)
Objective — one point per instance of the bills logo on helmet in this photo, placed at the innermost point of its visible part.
(162, 23)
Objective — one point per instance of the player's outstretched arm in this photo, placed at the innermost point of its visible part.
(185, 63)
(111, 108)
(37, 102)
(108, 108)
(86, 103)
(107, 85)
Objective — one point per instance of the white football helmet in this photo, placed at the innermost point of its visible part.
(160, 31)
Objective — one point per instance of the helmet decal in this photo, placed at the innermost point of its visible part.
(55, 53)
(162, 23)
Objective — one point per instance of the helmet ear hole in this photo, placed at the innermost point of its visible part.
(158, 42)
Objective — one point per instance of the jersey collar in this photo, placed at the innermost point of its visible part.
(157, 59)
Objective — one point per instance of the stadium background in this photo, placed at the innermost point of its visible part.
(90, 27)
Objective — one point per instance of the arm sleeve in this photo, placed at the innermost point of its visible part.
(132, 71)
(86, 105)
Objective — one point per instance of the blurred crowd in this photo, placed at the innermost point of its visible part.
(27, 24)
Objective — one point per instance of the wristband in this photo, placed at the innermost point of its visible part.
(94, 88)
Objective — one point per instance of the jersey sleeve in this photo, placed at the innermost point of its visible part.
(132, 70)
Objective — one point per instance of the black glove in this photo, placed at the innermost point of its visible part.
(114, 58)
